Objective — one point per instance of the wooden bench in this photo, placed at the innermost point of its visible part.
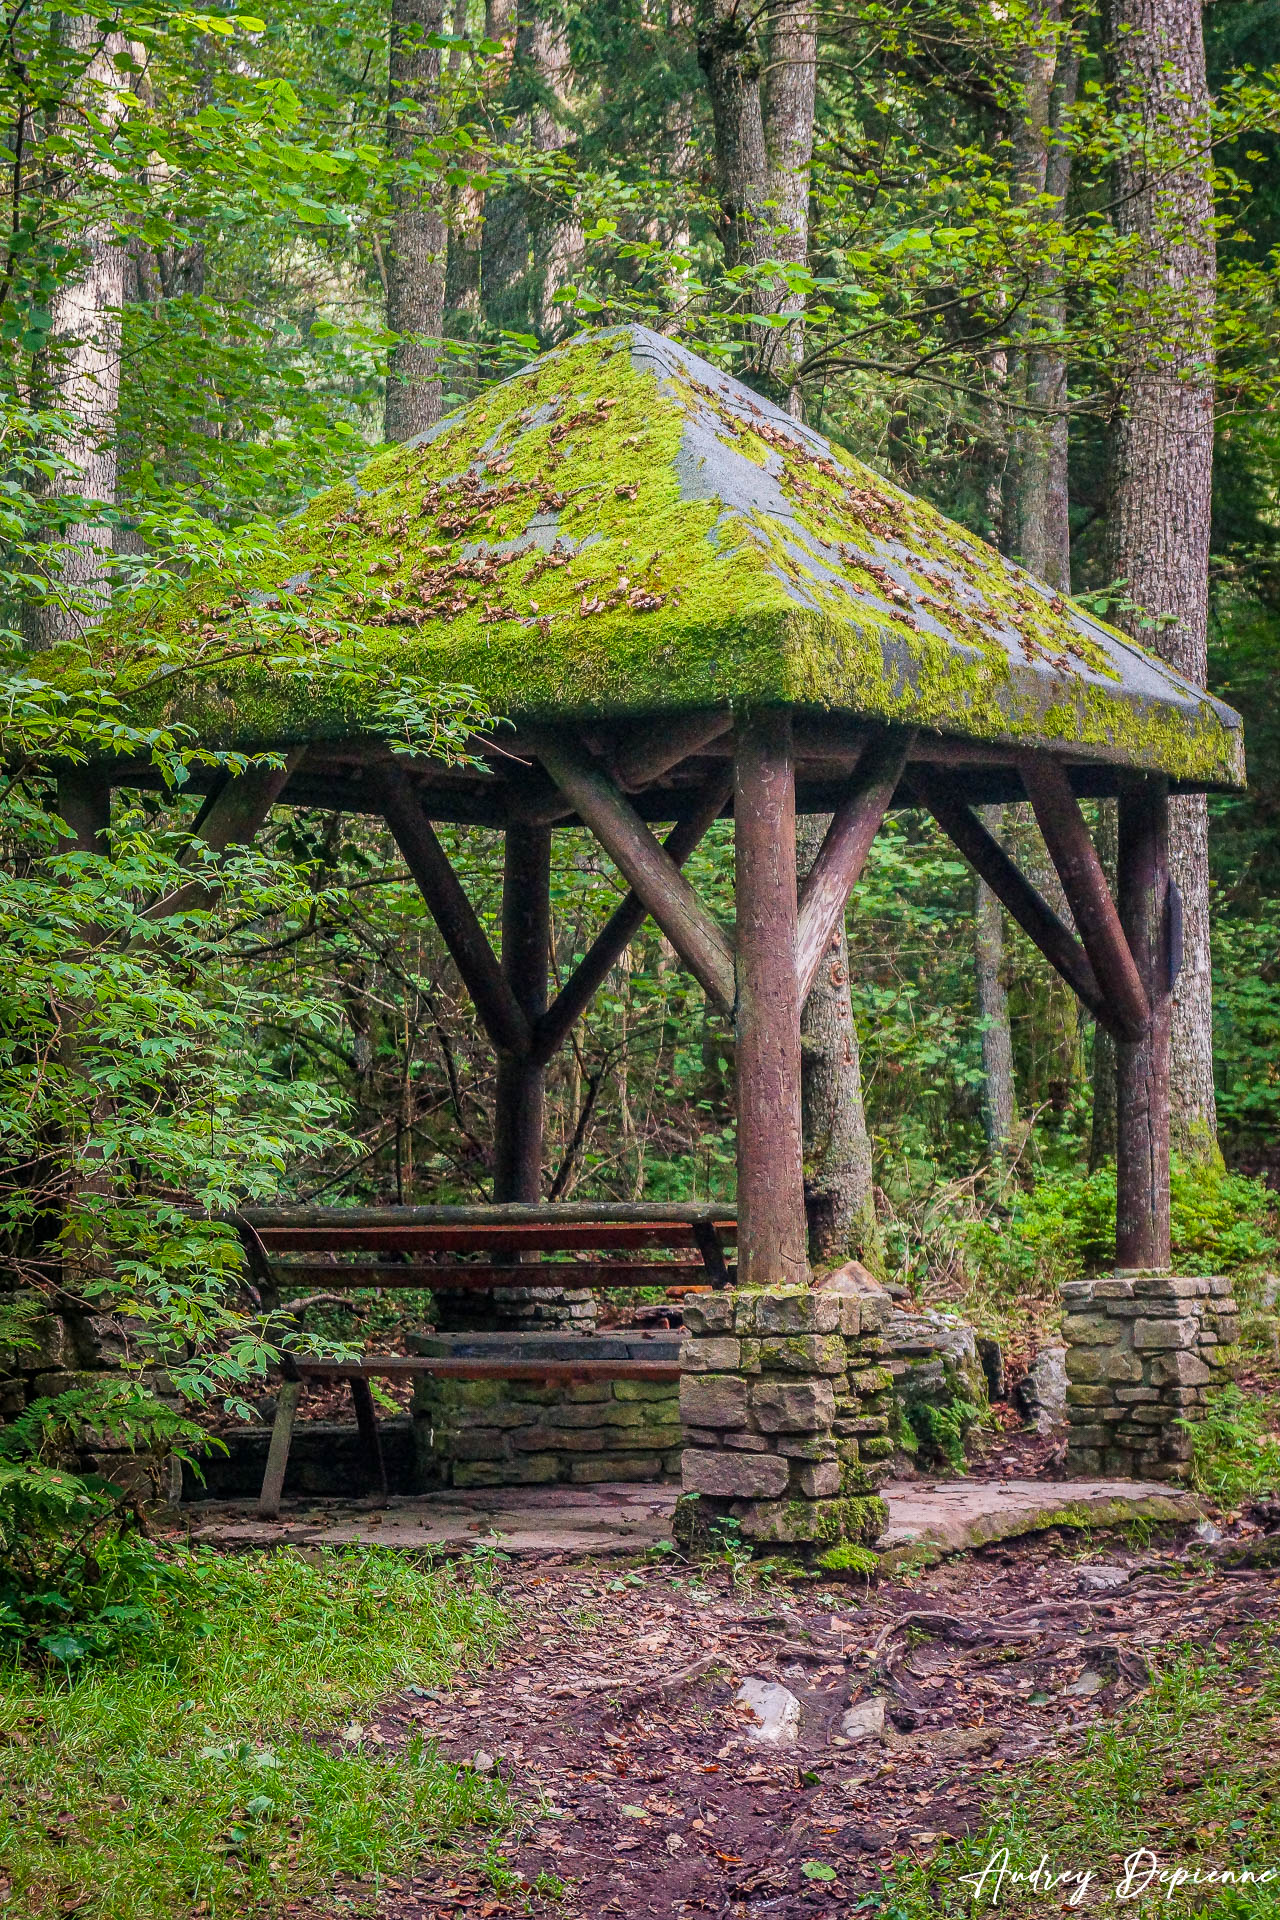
(419, 1236)
(431, 1246)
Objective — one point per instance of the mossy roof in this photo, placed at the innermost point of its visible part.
(622, 529)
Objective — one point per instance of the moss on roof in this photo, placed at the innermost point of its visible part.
(621, 529)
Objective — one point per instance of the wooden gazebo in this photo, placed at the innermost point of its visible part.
(685, 605)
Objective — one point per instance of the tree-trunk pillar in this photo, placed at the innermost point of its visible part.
(526, 942)
(771, 1218)
(1142, 1066)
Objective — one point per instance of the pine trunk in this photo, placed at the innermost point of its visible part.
(789, 103)
(417, 253)
(837, 1147)
(79, 375)
(998, 1099)
(729, 55)
(1161, 450)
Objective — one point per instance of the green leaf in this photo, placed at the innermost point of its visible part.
(817, 1870)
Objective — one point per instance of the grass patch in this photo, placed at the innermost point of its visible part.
(228, 1771)
(1185, 1780)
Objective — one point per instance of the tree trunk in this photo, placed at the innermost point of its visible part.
(416, 257)
(527, 249)
(998, 1100)
(1102, 1130)
(837, 1147)
(1161, 450)
(729, 55)
(790, 92)
(79, 375)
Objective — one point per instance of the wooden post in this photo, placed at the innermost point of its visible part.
(526, 942)
(84, 803)
(1142, 1065)
(771, 1222)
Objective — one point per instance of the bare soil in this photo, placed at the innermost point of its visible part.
(613, 1720)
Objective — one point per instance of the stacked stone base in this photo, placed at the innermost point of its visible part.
(514, 1433)
(776, 1422)
(1142, 1351)
(66, 1350)
(515, 1310)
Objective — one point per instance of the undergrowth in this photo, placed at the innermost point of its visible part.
(1235, 1446)
(224, 1769)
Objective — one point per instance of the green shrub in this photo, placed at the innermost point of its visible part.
(1235, 1446)
(78, 1579)
(1065, 1226)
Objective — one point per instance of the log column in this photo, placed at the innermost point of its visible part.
(526, 941)
(771, 1220)
(1142, 1065)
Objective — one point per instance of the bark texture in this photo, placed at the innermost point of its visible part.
(998, 1100)
(80, 375)
(790, 89)
(417, 253)
(1161, 452)
(730, 57)
(1035, 527)
(837, 1147)
(530, 239)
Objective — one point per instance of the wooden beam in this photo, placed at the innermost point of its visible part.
(526, 945)
(843, 852)
(453, 913)
(1016, 894)
(1142, 1065)
(84, 806)
(1074, 855)
(622, 926)
(477, 1276)
(231, 816)
(772, 1242)
(665, 744)
(651, 873)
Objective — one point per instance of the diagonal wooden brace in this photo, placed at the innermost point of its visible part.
(842, 855)
(503, 1017)
(230, 817)
(622, 926)
(1016, 894)
(665, 744)
(650, 872)
(1075, 857)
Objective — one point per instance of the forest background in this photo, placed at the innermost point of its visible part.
(1020, 257)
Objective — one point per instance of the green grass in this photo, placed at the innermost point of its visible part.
(229, 1771)
(1190, 1773)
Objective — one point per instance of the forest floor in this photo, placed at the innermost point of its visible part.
(611, 1718)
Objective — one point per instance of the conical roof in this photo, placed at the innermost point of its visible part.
(621, 529)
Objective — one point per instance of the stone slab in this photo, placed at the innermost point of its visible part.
(926, 1519)
(952, 1516)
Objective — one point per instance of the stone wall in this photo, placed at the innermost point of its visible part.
(781, 1399)
(1142, 1349)
(511, 1433)
(69, 1351)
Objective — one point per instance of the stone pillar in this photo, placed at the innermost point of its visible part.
(1142, 1350)
(764, 1373)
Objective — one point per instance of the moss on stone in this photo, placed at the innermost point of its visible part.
(619, 529)
(849, 1557)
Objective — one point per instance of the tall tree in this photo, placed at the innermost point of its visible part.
(790, 94)
(529, 239)
(78, 374)
(417, 254)
(1161, 445)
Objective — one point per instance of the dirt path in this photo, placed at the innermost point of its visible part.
(614, 1716)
